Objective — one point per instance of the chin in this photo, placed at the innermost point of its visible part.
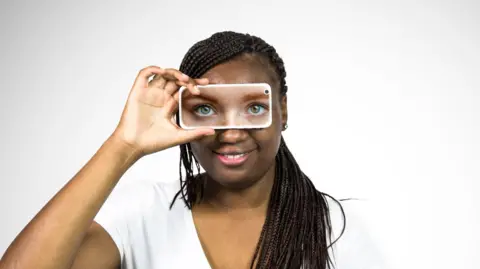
(239, 173)
(240, 178)
(233, 178)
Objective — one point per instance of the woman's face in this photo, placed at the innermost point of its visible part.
(258, 146)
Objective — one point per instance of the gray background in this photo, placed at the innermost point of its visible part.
(384, 103)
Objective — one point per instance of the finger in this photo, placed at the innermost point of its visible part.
(186, 136)
(170, 107)
(183, 80)
(173, 120)
(144, 74)
(185, 95)
(158, 81)
(202, 81)
(171, 87)
(191, 86)
(176, 96)
(174, 74)
(196, 82)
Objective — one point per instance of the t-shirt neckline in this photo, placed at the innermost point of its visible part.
(197, 245)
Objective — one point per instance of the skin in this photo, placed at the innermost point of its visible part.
(230, 218)
(57, 239)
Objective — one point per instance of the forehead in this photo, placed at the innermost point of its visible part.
(239, 71)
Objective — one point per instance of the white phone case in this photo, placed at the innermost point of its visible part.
(267, 91)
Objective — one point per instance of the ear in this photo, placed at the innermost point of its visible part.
(283, 105)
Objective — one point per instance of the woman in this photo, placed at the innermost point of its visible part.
(264, 213)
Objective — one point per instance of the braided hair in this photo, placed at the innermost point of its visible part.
(297, 229)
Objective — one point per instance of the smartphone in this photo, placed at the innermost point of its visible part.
(226, 106)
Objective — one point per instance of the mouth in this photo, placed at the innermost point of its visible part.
(233, 158)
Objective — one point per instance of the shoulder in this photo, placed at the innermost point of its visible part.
(140, 196)
(136, 201)
(355, 245)
(138, 218)
(345, 214)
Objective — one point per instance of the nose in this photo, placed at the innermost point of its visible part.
(232, 136)
(231, 118)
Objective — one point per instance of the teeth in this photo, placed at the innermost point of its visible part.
(234, 156)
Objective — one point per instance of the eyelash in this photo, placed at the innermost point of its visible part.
(202, 105)
(258, 104)
(211, 107)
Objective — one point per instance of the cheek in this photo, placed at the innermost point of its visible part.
(200, 148)
(269, 143)
(273, 134)
(269, 138)
(276, 119)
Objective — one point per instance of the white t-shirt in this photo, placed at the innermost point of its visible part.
(151, 236)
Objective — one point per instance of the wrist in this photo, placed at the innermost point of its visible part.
(120, 146)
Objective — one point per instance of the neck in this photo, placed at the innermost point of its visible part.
(252, 196)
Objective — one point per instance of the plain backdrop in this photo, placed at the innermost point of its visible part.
(383, 103)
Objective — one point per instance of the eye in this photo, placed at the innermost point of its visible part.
(203, 110)
(256, 109)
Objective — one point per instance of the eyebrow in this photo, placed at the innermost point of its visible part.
(254, 96)
(199, 97)
(247, 97)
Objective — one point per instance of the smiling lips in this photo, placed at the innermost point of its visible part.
(233, 158)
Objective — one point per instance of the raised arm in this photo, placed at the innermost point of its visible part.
(63, 234)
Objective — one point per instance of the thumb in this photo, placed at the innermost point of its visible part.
(185, 136)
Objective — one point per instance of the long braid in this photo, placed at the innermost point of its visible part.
(297, 228)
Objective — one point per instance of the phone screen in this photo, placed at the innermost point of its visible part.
(226, 106)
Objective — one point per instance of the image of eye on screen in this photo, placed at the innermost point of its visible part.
(226, 106)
